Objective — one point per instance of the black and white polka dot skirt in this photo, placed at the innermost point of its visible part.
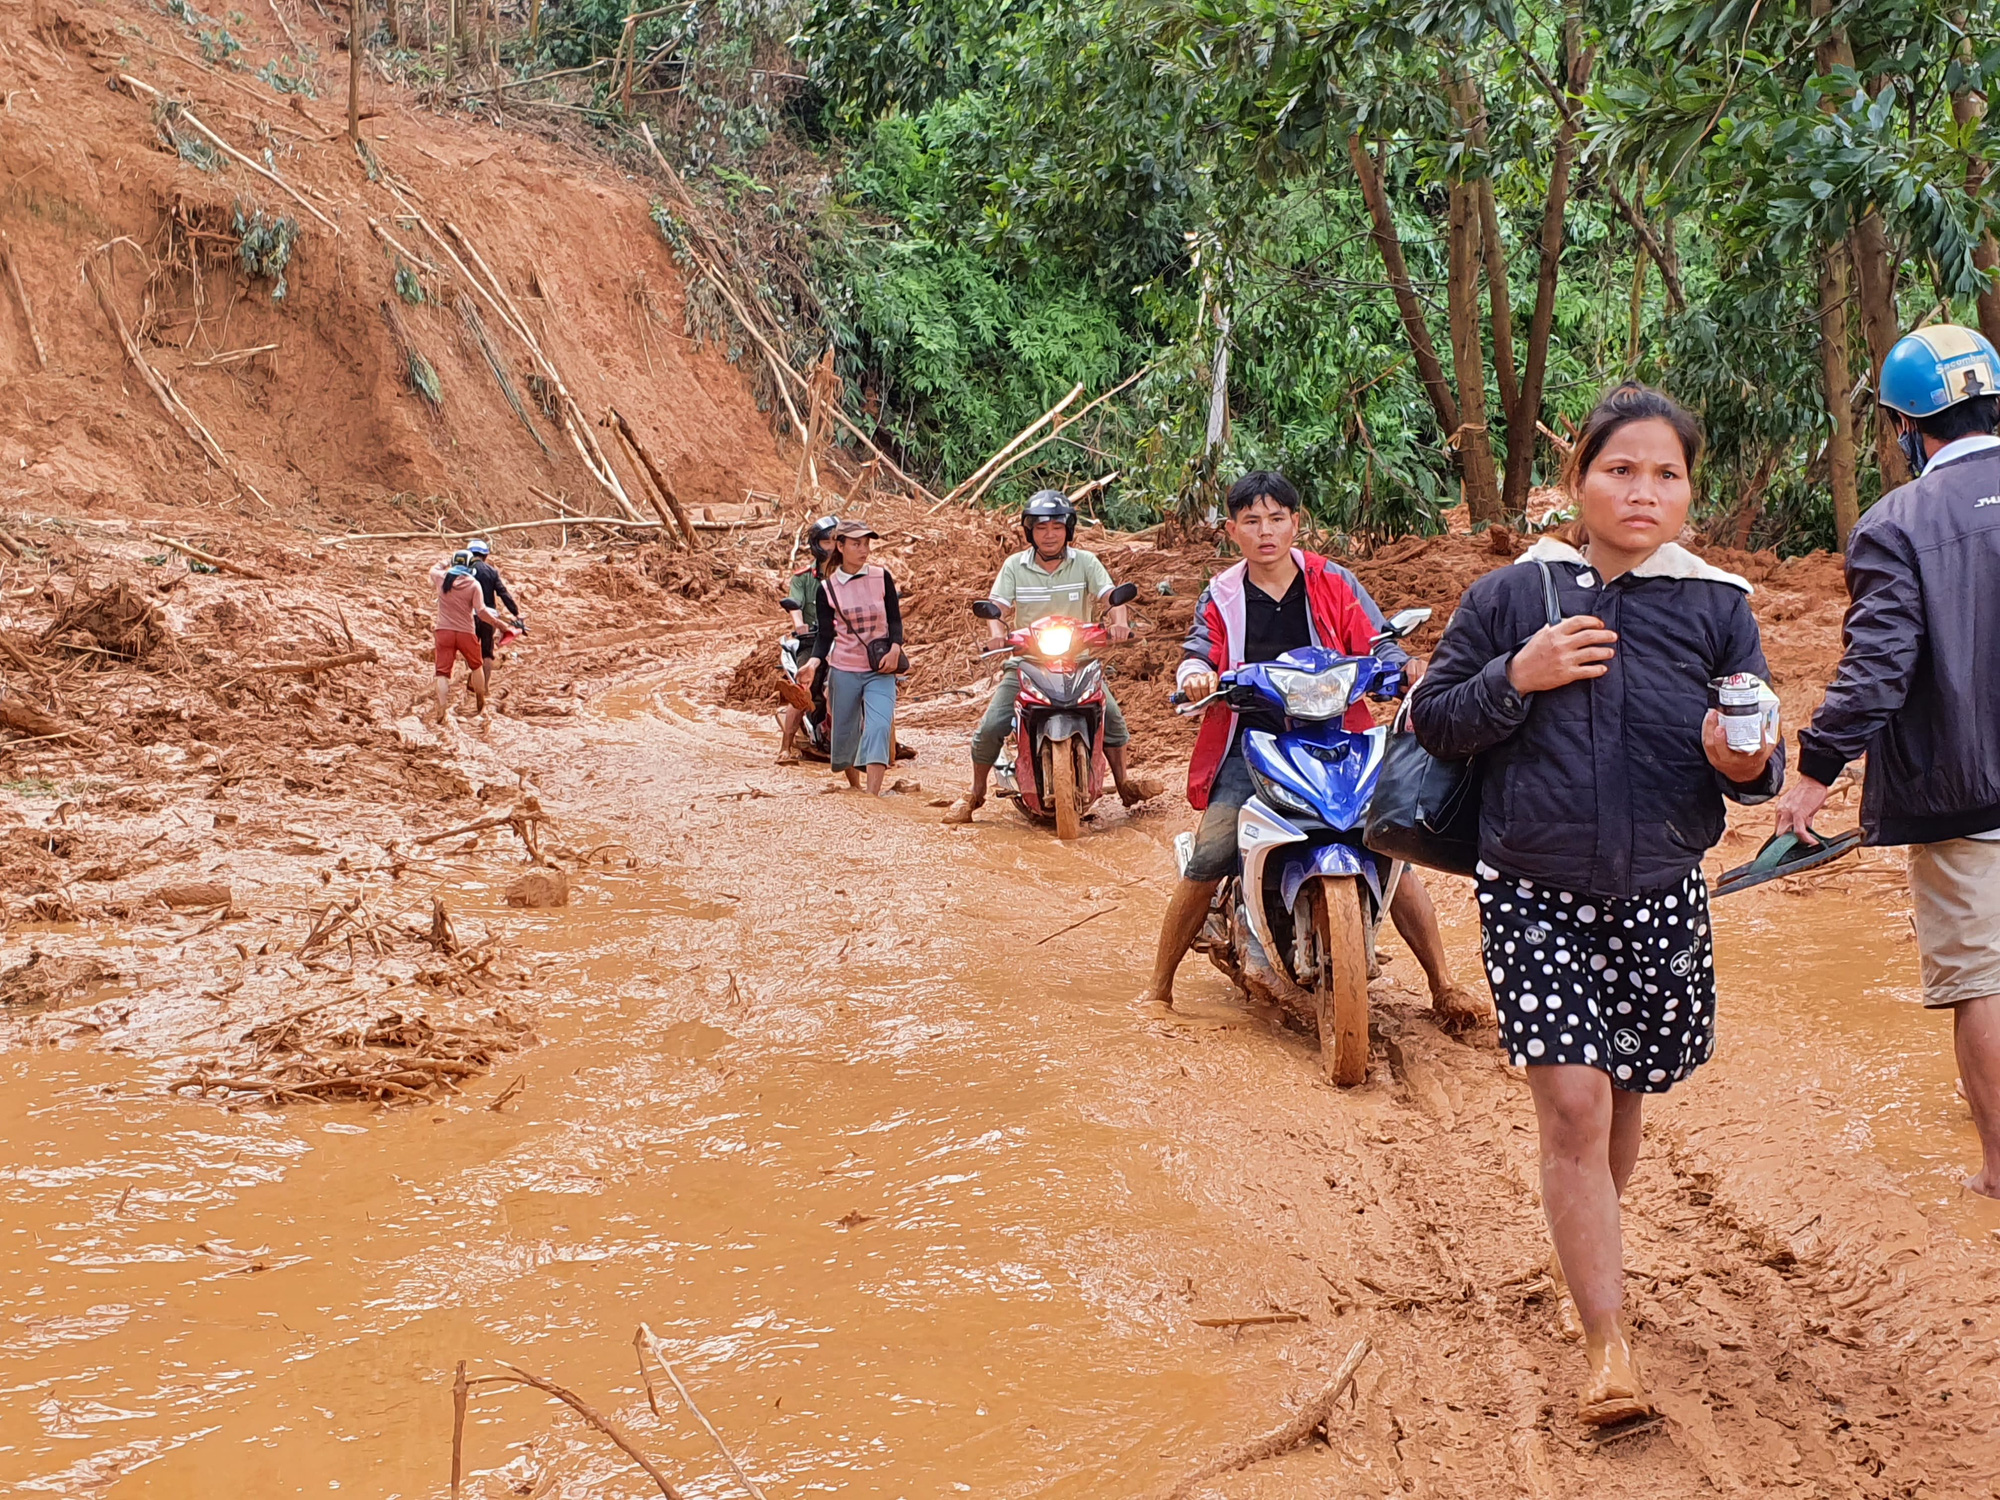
(1622, 984)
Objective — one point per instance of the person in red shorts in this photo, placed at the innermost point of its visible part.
(460, 603)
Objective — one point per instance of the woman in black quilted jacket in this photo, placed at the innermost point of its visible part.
(1602, 774)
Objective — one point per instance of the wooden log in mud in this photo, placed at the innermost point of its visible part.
(221, 563)
(1283, 1438)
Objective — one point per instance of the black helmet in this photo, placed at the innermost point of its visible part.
(1049, 505)
(820, 533)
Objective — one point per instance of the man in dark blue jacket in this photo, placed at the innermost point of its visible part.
(1918, 691)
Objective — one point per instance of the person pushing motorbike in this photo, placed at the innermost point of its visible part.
(1050, 576)
(802, 600)
(1277, 599)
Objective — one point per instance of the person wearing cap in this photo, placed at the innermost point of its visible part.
(860, 643)
(1917, 691)
(802, 599)
(1048, 577)
(460, 607)
(494, 588)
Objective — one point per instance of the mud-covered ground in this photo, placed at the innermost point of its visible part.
(823, 1093)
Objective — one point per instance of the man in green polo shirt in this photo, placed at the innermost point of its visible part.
(1049, 577)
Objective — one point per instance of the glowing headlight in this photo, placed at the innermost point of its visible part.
(1315, 695)
(1055, 640)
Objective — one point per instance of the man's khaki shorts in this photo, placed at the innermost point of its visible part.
(1957, 889)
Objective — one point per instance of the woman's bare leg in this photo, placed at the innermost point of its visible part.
(1576, 1111)
(875, 779)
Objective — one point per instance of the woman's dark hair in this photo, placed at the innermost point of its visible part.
(1258, 484)
(1620, 408)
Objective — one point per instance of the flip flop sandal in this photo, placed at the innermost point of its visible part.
(796, 696)
(1787, 854)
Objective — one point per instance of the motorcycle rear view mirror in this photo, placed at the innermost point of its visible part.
(986, 609)
(1406, 622)
(1125, 593)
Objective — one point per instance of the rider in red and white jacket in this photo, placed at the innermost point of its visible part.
(1277, 599)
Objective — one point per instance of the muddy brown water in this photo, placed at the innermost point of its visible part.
(918, 1203)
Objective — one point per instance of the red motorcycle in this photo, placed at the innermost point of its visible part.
(1058, 717)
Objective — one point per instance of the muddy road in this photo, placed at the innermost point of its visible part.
(921, 1205)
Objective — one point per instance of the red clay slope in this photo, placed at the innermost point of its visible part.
(327, 424)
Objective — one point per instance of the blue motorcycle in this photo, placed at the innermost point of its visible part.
(1295, 926)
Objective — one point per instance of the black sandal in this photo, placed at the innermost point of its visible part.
(1787, 854)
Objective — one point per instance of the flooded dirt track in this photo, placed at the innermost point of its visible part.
(922, 1206)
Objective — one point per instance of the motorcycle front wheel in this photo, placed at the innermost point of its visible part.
(1340, 975)
(1066, 783)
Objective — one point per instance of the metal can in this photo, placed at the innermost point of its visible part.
(1739, 697)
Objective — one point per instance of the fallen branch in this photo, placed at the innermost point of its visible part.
(455, 536)
(1252, 1320)
(527, 812)
(779, 367)
(649, 1341)
(161, 388)
(318, 664)
(1074, 925)
(258, 167)
(1282, 1439)
(977, 480)
(223, 563)
(575, 1403)
(14, 655)
(660, 481)
(21, 296)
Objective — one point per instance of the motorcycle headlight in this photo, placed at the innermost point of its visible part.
(1055, 641)
(1315, 695)
(1279, 796)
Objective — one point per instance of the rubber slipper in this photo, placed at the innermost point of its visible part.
(796, 696)
(1787, 854)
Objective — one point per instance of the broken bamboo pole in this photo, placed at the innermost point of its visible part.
(992, 464)
(660, 481)
(317, 664)
(573, 412)
(259, 168)
(651, 1343)
(21, 296)
(779, 368)
(162, 390)
(222, 563)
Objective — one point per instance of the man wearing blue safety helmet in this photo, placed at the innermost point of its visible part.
(1918, 691)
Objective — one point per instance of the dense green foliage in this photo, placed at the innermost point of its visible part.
(992, 202)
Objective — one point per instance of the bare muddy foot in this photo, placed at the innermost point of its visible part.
(1614, 1392)
(1456, 1009)
(1150, 999)
(1139, 789)
(1985, 1183)
(960, 811)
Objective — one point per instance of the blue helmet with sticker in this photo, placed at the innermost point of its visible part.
(478, 547)
(1937, 367)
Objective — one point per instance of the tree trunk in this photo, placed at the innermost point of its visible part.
(1837, 380)
(1967, 106)
(1521, 455)
(355, 20)
(1875, 275)
(1474, 442)
(1751, 505)
(1429, 371)
(1471, 105)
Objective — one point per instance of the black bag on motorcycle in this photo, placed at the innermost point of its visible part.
(1425, 810)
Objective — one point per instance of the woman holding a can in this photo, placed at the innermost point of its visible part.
(1602, 773)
